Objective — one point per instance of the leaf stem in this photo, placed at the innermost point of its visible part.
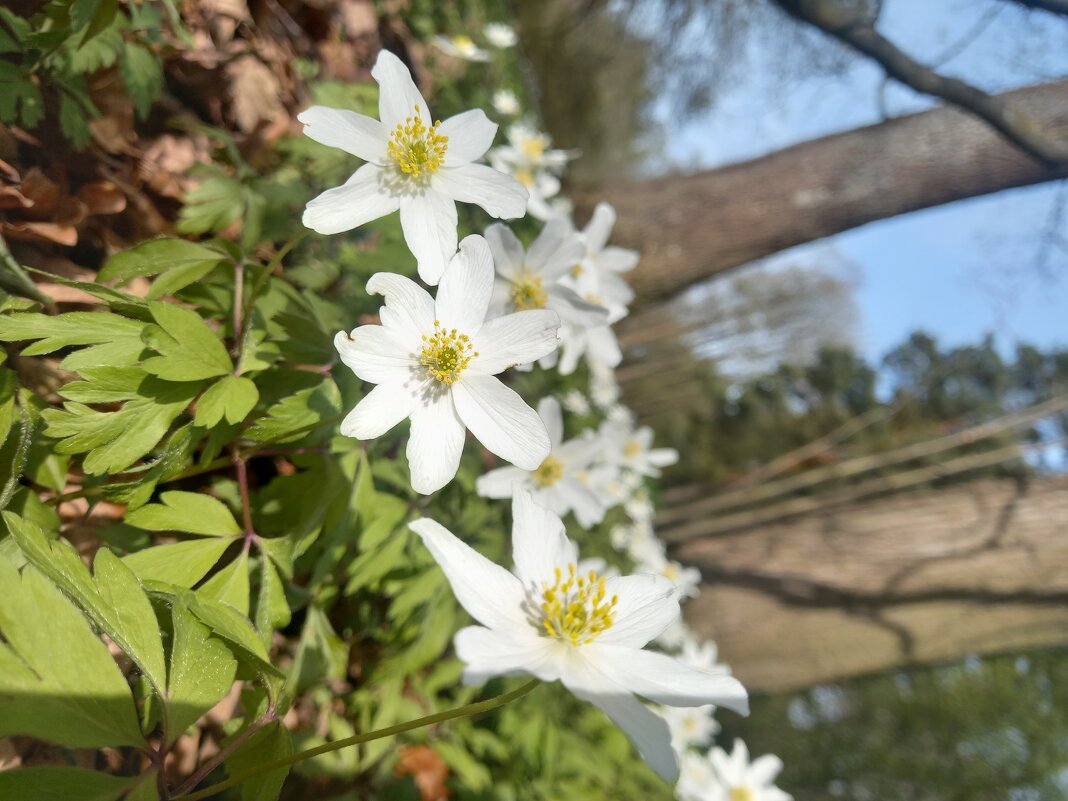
(204, 770)
(476, 708)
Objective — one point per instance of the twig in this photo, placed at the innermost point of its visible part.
(1052, 6)
(205, 770)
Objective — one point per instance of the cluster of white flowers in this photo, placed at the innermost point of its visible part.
(435, 361)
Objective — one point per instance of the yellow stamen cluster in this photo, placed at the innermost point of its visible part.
(549, 472)
(592, 298)
(525, 177)
(446, 354)
(741, 794)
(632, 448)
(533, 146)
(416, 149)
(574, 608)
(528, 293)
(577, 270)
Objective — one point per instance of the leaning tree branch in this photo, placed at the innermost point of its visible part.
(858, 32)
(1052, 6)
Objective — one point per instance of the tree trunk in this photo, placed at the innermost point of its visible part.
(910, 579)
(689, 228)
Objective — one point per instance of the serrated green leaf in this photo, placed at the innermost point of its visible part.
(181, 563)
(191, 512)
(156, 256)
(58, 682)
(142, 75)
(288, 419)
(232, 397)
(73, 122)
(62, 783)
(189, 350)
(271, 742)
(210, 207)
(118, 339)
(201, 670)
(105, 385)
(320, 654)
(237, 630)
(106, 11)
(230, 585)
(272, 609)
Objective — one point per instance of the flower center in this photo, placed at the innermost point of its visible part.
(577, 271)
(416, 149)
(549, 472)
(528, 293)
(632, 448)
(533, 147)
(463, 43)
(574, 608)
(446, 354)
(741, 794)
(525, 177)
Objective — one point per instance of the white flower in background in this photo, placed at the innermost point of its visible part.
(413, 164)
(560, 483)
(703, 656)
(618, 413)
(530, 158)
(461, 47)
(530, 279)
(587, 631)
(674, 635)
(598, 277)
(649, 557)
(695, 777)
(598, 344)
(639, 507)
(734, 778)
(604, 389)
(435, 361)
(576, 403)
(690, 726)
(633, 451)
(499, 34)
(505, 102)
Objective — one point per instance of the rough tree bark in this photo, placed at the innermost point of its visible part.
(909, 579)
(692, 227)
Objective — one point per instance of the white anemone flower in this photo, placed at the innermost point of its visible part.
(500, 34)
(702, 656)
(560, 483)
(599, 276)
(530, 158)
(587, 631)
(735, 778)
(505, 102)
(414, 165)
(436, 361)
(461, 47)
(632, 449)
(530, 279)
(576, 403)
(690, 726)
(674, 635)
(649, 557)
(696, 777)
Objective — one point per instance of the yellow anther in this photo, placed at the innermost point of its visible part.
(528, 293)
(416, 149)
(533, 147)
(525, 177)
(574, 609)
(548, 473)
(632, 448)
(741, 794)
(446, 354)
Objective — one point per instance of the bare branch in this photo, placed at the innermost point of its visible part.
(858, 32)
(1052, 6)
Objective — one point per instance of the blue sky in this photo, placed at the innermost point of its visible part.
(958, 271)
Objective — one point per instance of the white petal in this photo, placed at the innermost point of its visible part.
(378, 411)
(435, 444)
(550, 414)
(647, 605)
(599, 228)
(539, 542)
(487, 653)
(648, 731)
(500, 420)
(559, 244)
(518, 338)
(508, 256)
(465, 287)
(377, 354)
(501, 483)
(354, 133)
(573, 309)
(763, 770)
(489, 593)
(409, 307)
(499, 194)
(470, 136)
(618, 260)
(398, 95)
(662, 457)
(429, 223)
(583, 501)
(667, 681)
(359, 200)
(602, 347)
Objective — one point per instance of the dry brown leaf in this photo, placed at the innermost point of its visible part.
(41, 232)
(255, 93)
(12, 198)
(429, 771)
(102, 197)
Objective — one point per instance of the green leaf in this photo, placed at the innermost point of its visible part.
(57, 682)
(272, 609)
(142, 75)
(116, 339)
(232, 397)
(105, 13)
(188, 349)
(61, 783)
(73, 122)
(289, 418)
(191, 512)
(157, 256)
(235, 629)
(230, 585)
(271, 742)
(105, 385)
(182, 563)
(217, 202)
(321, 653)
(115, 440)
(202, 670)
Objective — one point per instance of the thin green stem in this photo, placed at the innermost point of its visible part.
(468, 710)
